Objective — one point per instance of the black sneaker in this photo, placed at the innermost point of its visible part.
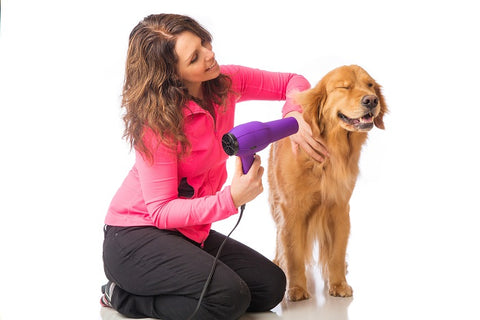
(107, 290)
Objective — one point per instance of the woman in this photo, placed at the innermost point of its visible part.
(158, 247)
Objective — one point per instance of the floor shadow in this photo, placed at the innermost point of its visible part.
(320, 306)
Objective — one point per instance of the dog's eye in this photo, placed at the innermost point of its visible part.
(370, 84)
(346, 88)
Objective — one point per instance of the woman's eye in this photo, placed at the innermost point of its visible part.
(194, 59)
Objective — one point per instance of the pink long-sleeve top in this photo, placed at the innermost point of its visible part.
(186, 194)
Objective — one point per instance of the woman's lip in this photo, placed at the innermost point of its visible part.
(212, 66)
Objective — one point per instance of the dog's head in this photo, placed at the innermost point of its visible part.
(347, 97)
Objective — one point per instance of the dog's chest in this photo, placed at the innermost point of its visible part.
(333, 181)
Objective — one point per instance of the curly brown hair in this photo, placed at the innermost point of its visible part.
(153, 93)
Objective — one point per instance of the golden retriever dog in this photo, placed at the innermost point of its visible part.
(310, 200)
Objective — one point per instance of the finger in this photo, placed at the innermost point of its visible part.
(316, 143)
(315, 153)
(256, 162)
(261, 170)
(238, 167)
(320, 147)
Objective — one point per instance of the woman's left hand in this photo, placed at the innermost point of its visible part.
(313, 146)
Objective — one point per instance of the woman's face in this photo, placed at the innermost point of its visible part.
(196, 62)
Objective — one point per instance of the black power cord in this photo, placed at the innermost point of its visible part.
(214, 264)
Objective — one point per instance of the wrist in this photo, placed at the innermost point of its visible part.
(233, 198)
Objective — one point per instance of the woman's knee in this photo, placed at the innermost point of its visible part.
(271, 293)
(229, 300)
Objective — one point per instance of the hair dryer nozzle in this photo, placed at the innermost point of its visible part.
(246, 139)
(230, 144)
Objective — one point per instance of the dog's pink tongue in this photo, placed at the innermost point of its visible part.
(366, 119)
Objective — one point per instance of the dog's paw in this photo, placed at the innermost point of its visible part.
(340, 290)
(297, 294)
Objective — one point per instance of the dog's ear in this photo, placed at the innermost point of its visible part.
(378, 121)
(312, 102)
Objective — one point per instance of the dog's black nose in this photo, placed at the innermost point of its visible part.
(370, 101)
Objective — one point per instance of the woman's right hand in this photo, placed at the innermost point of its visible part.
(246, 187)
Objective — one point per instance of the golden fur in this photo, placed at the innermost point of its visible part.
(310, 200)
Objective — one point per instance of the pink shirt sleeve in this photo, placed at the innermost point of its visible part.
(159, 183)
(255, 84)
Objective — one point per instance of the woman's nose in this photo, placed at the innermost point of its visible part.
(210, 55)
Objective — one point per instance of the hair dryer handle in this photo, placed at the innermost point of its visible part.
(247, 162)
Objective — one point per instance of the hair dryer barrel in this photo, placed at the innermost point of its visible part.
(246, 139)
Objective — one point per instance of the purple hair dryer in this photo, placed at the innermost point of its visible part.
(246, 139)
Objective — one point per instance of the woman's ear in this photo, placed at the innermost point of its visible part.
(378, 121)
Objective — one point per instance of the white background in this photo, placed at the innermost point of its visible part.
(413, 251)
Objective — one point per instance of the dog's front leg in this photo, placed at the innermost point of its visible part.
(337, 267)
(292, 238)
